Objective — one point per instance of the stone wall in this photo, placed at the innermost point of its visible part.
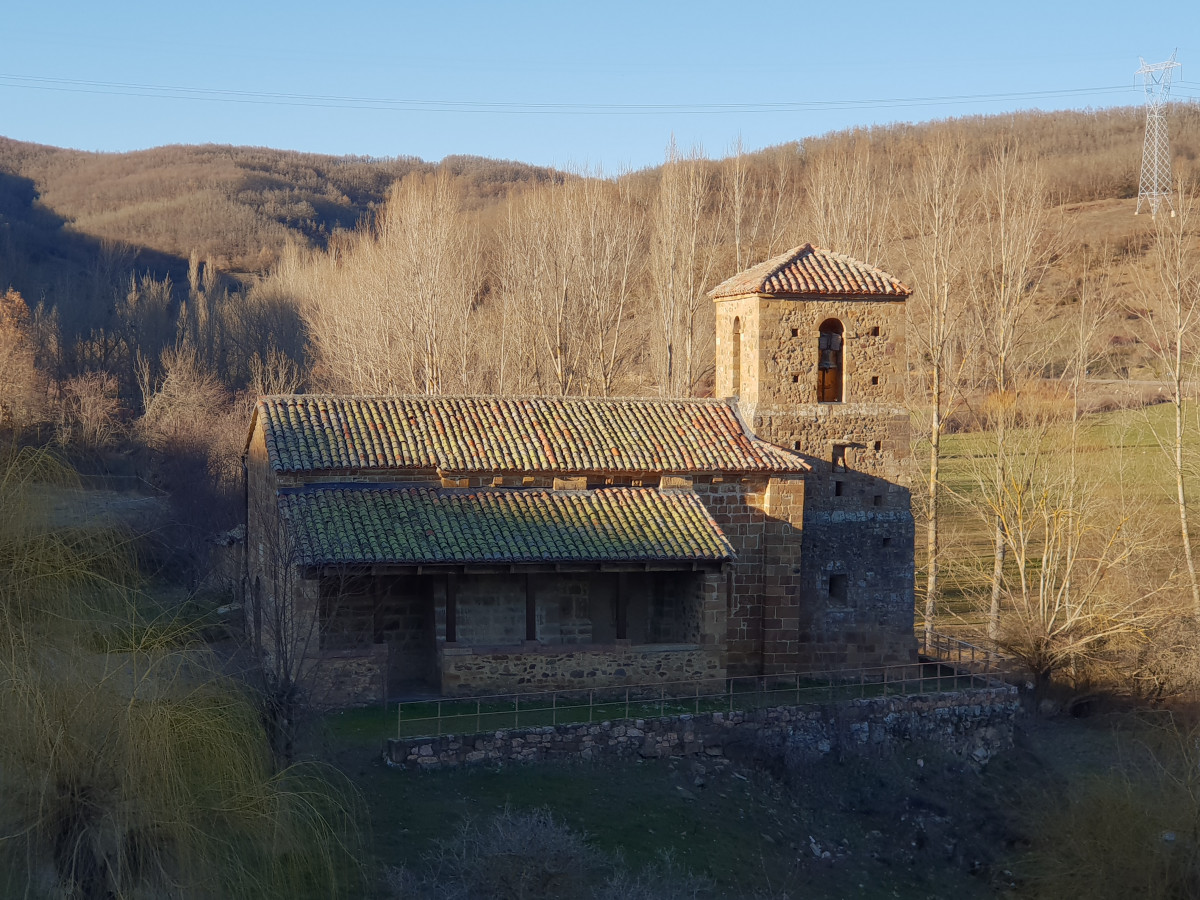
(537, 667)
(975, 724)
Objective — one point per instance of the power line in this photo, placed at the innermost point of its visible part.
(176, 92)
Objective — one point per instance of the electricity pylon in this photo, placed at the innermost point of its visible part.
(1155, 186)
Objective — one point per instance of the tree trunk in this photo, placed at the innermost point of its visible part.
(1181, 491)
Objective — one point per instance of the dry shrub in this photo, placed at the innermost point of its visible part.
(532, 856)
(1035, 403)
(21, 389)
(195, 432)
(89, 413)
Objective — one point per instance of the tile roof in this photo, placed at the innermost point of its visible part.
(493, 434)
(809, 271)
(359, 525)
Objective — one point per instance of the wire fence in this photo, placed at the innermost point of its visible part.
(495, 712)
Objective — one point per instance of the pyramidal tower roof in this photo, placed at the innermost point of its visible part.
(809, 271)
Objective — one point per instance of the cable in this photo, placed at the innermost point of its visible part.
(173, 92)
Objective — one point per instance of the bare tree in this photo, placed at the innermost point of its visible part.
(937, 214)
(608, 230)
(384, 314)
(1012, 250)
(683, 260)
(1171, 291)
(848, 201)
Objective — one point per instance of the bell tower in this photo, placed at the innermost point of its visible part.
(811, 345)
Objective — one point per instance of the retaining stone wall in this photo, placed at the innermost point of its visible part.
(974, 724)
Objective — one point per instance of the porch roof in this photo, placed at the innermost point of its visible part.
(383, 525)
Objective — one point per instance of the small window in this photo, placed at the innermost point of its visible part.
(875, 331)
(795, 332)
(838, 585)
(838, 458)
(887, 542)
(878, 499)
(838, 487)
(874, 379)
(795, 379)
(877, 446)
(796, 445)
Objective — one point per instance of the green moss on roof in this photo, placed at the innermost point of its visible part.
(360, 525)
(491, 434)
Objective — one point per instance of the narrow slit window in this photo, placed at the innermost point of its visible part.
(736, 361)
(839, 487)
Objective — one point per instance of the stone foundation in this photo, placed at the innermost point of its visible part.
(973, 724)
(557, 667)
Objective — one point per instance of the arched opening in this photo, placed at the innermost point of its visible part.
(735, 387)
(829, 362)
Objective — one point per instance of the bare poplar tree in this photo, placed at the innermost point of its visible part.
(937, 214)
(1171, 291)
(386, 314)
(607, 237)
(848, 200)
(538, 279)
(1012, 251)
(683, 260)
(761, 203)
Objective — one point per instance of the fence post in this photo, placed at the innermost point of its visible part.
(662, 696)
(730, 686)
(591, 704)
(399, 720)
(626, 702)
(478, 718)
(516, 710)
(696, 708)
(554, 707)
(439, 725)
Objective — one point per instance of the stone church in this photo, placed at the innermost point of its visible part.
(471, 545)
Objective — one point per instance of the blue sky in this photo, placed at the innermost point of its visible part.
(554, 83)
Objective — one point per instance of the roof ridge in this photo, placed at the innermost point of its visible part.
(499, 398)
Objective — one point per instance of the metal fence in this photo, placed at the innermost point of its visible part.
(962, 655)
(475, 715)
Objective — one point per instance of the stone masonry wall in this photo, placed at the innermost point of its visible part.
(975, 724)
(854, 590)
(466, 671)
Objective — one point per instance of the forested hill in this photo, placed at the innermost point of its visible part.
(237, 206)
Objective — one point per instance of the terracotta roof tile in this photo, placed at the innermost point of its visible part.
(361, 525)
(493, 434)
(809, 271)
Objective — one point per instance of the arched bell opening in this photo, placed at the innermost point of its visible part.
(830, 362)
